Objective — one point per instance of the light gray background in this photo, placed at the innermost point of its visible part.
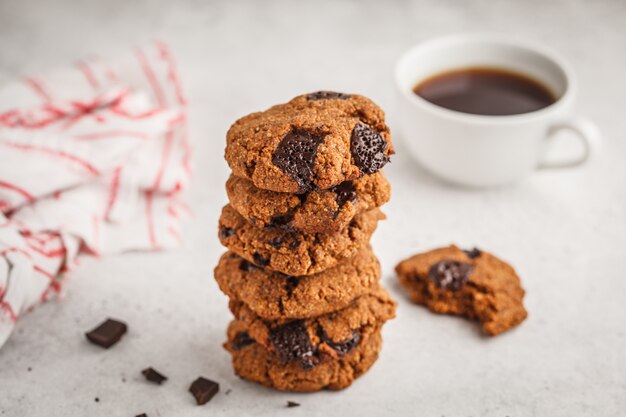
(565, 232)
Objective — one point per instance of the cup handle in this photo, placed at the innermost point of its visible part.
(588, 134)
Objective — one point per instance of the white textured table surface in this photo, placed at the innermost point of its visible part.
(565, 232)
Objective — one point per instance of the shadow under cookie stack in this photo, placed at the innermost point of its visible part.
(302, 279)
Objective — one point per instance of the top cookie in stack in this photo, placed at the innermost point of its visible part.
(304, 196)
(314, 142)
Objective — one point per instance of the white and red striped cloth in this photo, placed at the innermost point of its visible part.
(93, 159)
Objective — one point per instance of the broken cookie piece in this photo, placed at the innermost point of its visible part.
(472, 283)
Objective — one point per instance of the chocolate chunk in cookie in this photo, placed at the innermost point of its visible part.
(450, 275)
(368, 149)
(241, 340)
(327, 95)
(472, 253)
(295, 155)
(344, 346)
(291, 342)
(475, 285)
(226, 232)
(346, 192)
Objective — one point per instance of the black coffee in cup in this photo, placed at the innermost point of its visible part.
(486, 91)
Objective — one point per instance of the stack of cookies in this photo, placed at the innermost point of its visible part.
(300, 273)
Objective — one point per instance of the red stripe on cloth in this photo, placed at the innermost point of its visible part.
(175, 234)
(54, 253)
(38, 88)
(150, 220)
(108, 71)
(172, 72)
(118, 110)
(110, 134)
(44, 237)
(152, 80)
(54, 152)
(89, 75)
(9, 310)
(29, 236)
(16, 250)
(188, 152)
(18, 190)
(43, 271)
(172, 212)
(185, 207)
(167, 148)
(113, 191)
(54, 286)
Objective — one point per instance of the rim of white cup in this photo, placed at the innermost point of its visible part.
(494, 39)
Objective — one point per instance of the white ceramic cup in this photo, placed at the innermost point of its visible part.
(479, 150)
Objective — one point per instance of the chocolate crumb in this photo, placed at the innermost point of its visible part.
(291, 404)
(142, 415)
(97, 399)
(154, 376)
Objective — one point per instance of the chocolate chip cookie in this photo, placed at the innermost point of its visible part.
(295, 253)
(473, 284)
(318, 211)
(273, 295)
(313, 340)
(315, 141)
(255, 363)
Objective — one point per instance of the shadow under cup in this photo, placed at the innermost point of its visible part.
(471, 149)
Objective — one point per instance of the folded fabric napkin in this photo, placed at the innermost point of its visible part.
(93, 159)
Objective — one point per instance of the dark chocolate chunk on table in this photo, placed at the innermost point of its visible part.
(203, 390)
(107, 333)
(154, 376)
